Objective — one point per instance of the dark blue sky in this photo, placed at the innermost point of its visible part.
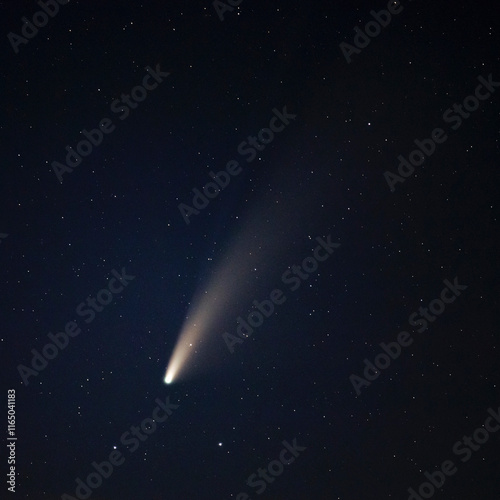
(323, 174)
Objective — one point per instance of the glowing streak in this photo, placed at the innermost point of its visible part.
(232, 280)
(206, 309)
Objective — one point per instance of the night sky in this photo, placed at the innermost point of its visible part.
(300, 219)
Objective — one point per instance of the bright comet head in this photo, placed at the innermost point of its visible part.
(189, 337)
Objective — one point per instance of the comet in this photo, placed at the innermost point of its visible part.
(266, 233)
